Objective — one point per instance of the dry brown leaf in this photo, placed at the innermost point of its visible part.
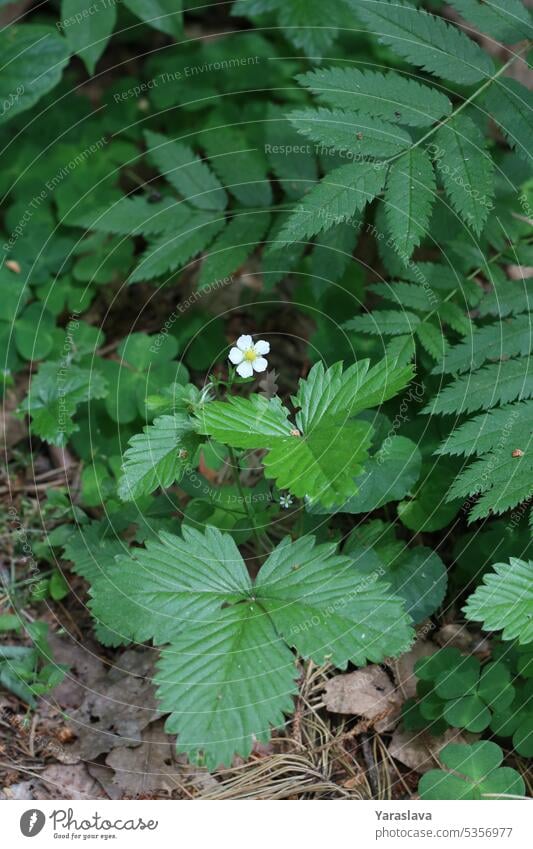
(69, 782)
(366, 692)
(117, 707)
(403, 667)
(419, 750)
(148, 770)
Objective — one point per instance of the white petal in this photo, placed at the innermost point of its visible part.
(236, 356)
(262, 347)
(245, 369)
(259, 364)
(244, 342)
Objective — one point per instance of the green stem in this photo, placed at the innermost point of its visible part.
(247, 507)
(472, 97)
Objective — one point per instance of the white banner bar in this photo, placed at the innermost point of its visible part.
(293, 824)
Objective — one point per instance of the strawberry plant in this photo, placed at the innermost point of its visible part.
(265, 274)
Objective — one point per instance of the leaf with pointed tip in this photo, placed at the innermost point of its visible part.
(326, 609)
(409, 195)
(171, 585)
(390, 96)
(342, 193)
(425, 40)
(158, 456)
(225, 684)
(184, 170)
(350, 132)
(504, 601)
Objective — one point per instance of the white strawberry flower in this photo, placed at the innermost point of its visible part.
(248, 355)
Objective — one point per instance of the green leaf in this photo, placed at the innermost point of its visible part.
(482, 433)
(388, 476)
(233, 247)
(390, 96)
(171, 585)
(510, 104)
(417, 575)
(475, 773)
(135, 215)
(170, 253)
(227, 674)
(92, 548)
(409, 195)
(322, 464)
(501, 479)
(336, 199)
(467, 712)
(225, 683)
(350, 132)
(357, 388)
(504, 601)
(158, 456)
(432, 339)
(425, 40)
(466, 169)
(496, 341)
(384, 323)
(192, 177)
(293, 164)
(164, 15)
(87, 27)
(326, 609)
(494, 384)
(320, 458)
(34, 332)
(240, 167)
(33, 58)
(428, 509)
(506, 20)
(55, 393)
(245, 422)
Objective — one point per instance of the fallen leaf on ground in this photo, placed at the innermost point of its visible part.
(117, 707)
(419, 750)
(403, 667)
(149, 769)
(69, 782)
(366, 692)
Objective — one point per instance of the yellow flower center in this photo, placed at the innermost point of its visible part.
(250, 355)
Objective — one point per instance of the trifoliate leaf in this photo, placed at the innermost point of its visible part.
(321, 456)
(475, 773)
(227, 674)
